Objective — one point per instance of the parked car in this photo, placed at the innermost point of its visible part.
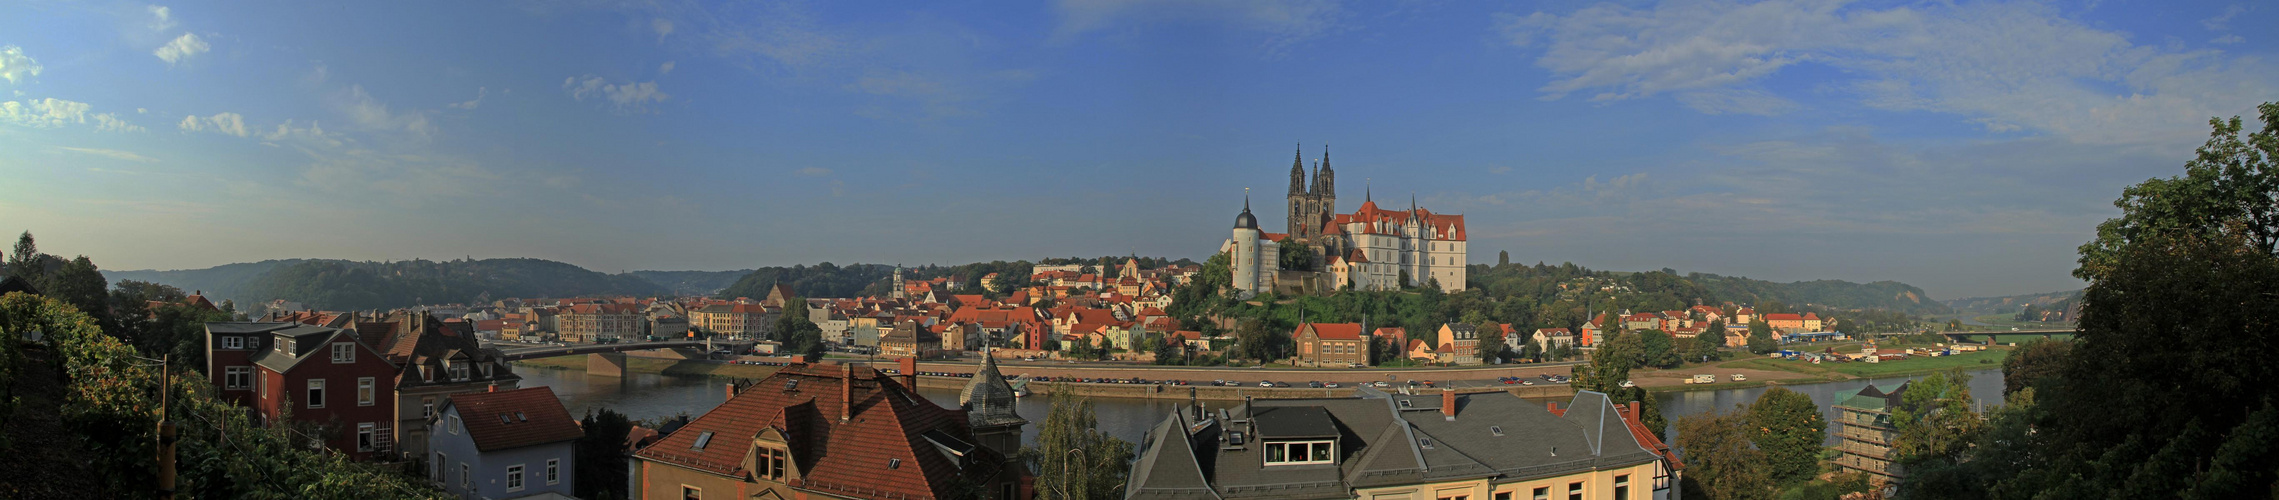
(1739, 377)
(1380, 384)
(1281, 384)
(1263, 383)
(1315, 384)
(1332, 385)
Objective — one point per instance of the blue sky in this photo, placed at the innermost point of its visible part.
(1965, 147)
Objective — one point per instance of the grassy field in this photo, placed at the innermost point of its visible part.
(1918, 365)
(659, 366)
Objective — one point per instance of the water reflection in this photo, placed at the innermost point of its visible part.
(1986, 385)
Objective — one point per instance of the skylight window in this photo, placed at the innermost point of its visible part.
(1496, 430)
(1425, 442)
(519, 416)
(701, 440)
(893, 463)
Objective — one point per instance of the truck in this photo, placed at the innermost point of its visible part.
(1702, 379)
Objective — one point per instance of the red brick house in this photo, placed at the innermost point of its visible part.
(327, 377)
(1330, 344)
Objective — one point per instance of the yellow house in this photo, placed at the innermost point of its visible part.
(1441, 446)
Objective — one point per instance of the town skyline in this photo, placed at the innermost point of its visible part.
(1906, 143)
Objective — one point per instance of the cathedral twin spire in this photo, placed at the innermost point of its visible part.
(1311, 203)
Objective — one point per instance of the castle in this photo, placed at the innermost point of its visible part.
(1369, 249)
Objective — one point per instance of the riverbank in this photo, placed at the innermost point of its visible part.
(1770, 371)
(635, 364)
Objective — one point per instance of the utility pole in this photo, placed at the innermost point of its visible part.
(166, 430)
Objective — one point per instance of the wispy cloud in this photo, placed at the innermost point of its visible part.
(110, 153)
(161, 18)
(628, 97)
(480, 93)
(368, 112)
(221, 123)
(181, 49)
(2005, 66)
(15, 66)
(1283, 22)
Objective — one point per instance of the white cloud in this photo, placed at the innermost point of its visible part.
(480, 92)
(312, 135)
(221, 123)
(665, 69)
(111, 153)
(15, 66)
(162, 18)
(1285, 22)
(106, 122)
(625, 97)
(2006, 66)
(1736, 101)
(2223, 21)
(370, 113)
(181, 48)
(662, 26)
(813, 172)
(43, 113)
(2228, 40)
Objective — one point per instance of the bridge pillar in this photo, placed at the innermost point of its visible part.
(610, 364)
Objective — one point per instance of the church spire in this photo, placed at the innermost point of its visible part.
(1298, 171)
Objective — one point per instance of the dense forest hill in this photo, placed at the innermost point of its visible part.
(1835, 294)
(343, 285)
(2059, 300)
(218, 282)
(693, 282)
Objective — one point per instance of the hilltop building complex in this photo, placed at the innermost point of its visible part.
(1370, 249)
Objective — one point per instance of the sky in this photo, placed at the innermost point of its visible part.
(1967, 147)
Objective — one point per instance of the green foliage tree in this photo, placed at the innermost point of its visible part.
(80, 284)
(1491, 345)
(800, 336)
(1934, 420)
(1503, 258)
(1706, 345)
(1788, 428)
(2032, 362)
(1761, 337)
(1073, 458)
(1296, 256)
(24, 260)
(1261, 342)
(1610, 365)
(600, 467)
(1720, 460)
(1658, 349)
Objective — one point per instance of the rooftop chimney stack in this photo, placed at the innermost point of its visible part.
(910, 373)
(731, 390)
(847, 395)
(1448, 403)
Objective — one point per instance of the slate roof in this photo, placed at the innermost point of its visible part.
(890, 446)
(1384, 440)
(307, 339)
(506, 420)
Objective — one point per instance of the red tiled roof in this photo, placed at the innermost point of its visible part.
(516, 418)
(1334, 331)
(1783, 317)
(878, 451)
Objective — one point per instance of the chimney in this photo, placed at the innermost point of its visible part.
(1634, 410)
(492, 388)
(847, 395)
(731, 390)
(910, 373)
(1555, 409)
(1448, 403)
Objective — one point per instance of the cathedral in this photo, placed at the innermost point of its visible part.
(1369, 249)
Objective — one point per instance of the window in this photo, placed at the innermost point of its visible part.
(440, 459)
(1301, 452)
(1622, 487)
(364, 436)
(454, 421)
(691, 493)
(427, 407)
(1542, 493)
(343, 352)
(701, 440)
(233, 342)
(772, 462)
(514, 477)
(237, 377)
(553, 471)
(316, 393)
(364, 391)
(1574, 491)
(459, 370)
(1503, 495)
(466, 476)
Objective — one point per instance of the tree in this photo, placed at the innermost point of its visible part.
(2033, 361)
(1073, 458)
(800, 335)
(1491, 342)
(600, 469)
(1658, 349)
(78, 283)
(1706, 345)
(1788, 427)
(1761, 337)
(1610, 366)
(1258, 341)
(1934, 420)
(1503, 258)
(24, 262)
(1721, 462)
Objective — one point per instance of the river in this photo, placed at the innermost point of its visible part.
(649, 396)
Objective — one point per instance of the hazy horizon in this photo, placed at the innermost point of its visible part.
(1967, 149)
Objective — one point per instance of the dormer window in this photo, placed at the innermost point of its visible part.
(1300, 452)
(233, 342)
(774, 462)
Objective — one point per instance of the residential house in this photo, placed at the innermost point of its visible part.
(741, 320)
(1442, 446)
(1459, 343)
(1552, 338)
(517, 443)
(434, 360)
(1330, 344)
(908, 339)
(826, 432)
(327, 378)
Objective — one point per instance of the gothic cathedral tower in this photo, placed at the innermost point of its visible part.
(1325, 197)
(1302, 205)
